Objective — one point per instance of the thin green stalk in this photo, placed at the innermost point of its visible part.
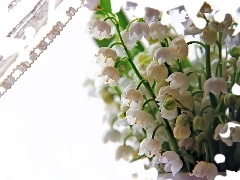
(220, 53)
(155, 130)
(206, 151)
(196, 42)
(146, 102)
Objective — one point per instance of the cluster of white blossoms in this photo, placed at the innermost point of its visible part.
(162, 105)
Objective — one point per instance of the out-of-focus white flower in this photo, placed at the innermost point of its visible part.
(130, 5)
(149, 147)
(151, 15)
(161, 133)
(163, 55)
(234, 133)
(124, 152)
(203, 169)
(156, 71)
(137, 30)
(186, 99)
(100, 29)
(106, 56)
(133, 98)
(214, 66)
(215, 85)
(181, 132)
(178, 48)
(187, 143)
(190, 28)
(179, 81)
(110, 75)
(158, 31)
(111, 135)
(152, 48)
(90, 4)
(138, 118)
(130, 43)
(209, 36)
(172, 162)
(226, 23)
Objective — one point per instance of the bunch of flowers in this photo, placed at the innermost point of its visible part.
(160, 104)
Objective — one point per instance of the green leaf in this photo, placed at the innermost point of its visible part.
(237, 156)
(186, 63)
(106, 4)
(123, 21)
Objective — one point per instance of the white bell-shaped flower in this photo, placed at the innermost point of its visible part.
(110, 75)
(149, 147)
(130, 43)
(215, 85)
(163, 55)
(151, 15)
(156, 71)
(179, 48)
(133, 98)
(152, 48)
(90, 4)
(124, 152)
(209, 36)
(100, 29)
(137, 30)
(179, 81)
(138, 119)
(203, 169)
(106, 56)
(111, 135)
(172, 162)
(158, 31)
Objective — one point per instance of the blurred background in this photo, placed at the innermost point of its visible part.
(49, 127)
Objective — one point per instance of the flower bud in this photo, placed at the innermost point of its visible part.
(235, 51)
(230, 99)
(107, 96)
(180, 121)
(181, 132)
(199, 123)
(201, 136)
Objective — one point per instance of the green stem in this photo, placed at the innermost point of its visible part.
(146, 102)
(155, 130)
(220, 53)
(131, 23)
(197, 92)
(205, 107)
(196, 42)
(206, 151)
(141, 82)
(116, 43)
(208, 61)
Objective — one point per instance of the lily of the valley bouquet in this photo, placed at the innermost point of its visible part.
(177, 112)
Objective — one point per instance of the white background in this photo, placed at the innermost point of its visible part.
(49, 128)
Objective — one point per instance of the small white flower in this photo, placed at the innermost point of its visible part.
(179, 81)
(125, 152)
(190, 28)
(106, 56)
(111, 135)
(151, 15)
(149, 147)
(130, 43)
(133, 98)
(187, 143)
(179, 48)
(172, 162)
(138, 118)
(100, 29)
(203, 169)
(163, 55)
(156, 71)
(215, 85)
(90, 4)
(110, 75)
(209, 36)
(152, 48)
(158, 31)
(130, 5)
(137, 30)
